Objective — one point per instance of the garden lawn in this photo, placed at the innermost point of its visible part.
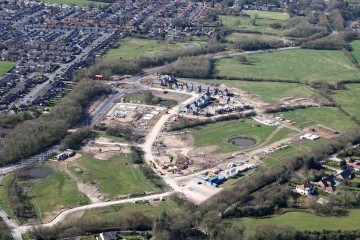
(114, 177)
(6, 66)
(77, 2)
(355, 45)
(219, 133)
(56, 192)
(349, 99)
(296, 65)
(268, 15)
(328, 116)
(242, 24)
(269, 92)
(133, 48)
(306, 221)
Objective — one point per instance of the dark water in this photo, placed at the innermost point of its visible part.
(38, 172)
(166, 103)
(242, 142)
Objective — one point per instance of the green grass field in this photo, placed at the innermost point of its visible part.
(114, 177)
(132, 48)
(6, 66)
(355, 45)
(349, 99)
(282, 134)
(77, 2)
(299, 64)
(328, 116)
(268, 15)
(306, 221)
(55, 192)
(219, 133)
(269, 92)
(235, 36)
(278, 157)
(114, 214)
(243, 24)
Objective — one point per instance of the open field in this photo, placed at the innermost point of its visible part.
(299, 65)
(114, 177)
(328, 116)
(349, 99)
(55, 192)
(268, 15)
(306, 221)
(282, 134)
(269, 92)
(235, 36)
(115, 215)
(77, 2)
(243, 24)
(277, 157)
(6, 66)
(355, 45)
(218, 134)
(132, 48)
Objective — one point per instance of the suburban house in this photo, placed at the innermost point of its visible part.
(305, 189)
(327, 183)
(345, 175)
(108, 236)
(354, 165)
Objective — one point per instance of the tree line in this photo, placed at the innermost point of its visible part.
(34, 136)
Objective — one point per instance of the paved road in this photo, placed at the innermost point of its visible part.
(147, 146)
(13, 227)
(66, 213)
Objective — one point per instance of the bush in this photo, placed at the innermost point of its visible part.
(75, 139)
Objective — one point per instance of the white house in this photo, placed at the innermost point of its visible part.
(305, 189)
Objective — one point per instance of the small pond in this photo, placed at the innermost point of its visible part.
(166, 103)
(242, 141)
(39, 172)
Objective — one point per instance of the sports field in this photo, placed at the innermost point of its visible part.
(81, 3)
(328, 116)
(299, 65)
(6, 66)
(243, 24)
(306, 221)
(56, 192)
(132, 48)
(349, 99)
(218, 134)
(114, 177)
(269, 92)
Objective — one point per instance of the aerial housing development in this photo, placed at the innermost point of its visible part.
(179, 119)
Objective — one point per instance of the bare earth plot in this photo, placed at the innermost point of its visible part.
(296, 65)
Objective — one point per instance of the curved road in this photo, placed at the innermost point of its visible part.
(147, 146)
